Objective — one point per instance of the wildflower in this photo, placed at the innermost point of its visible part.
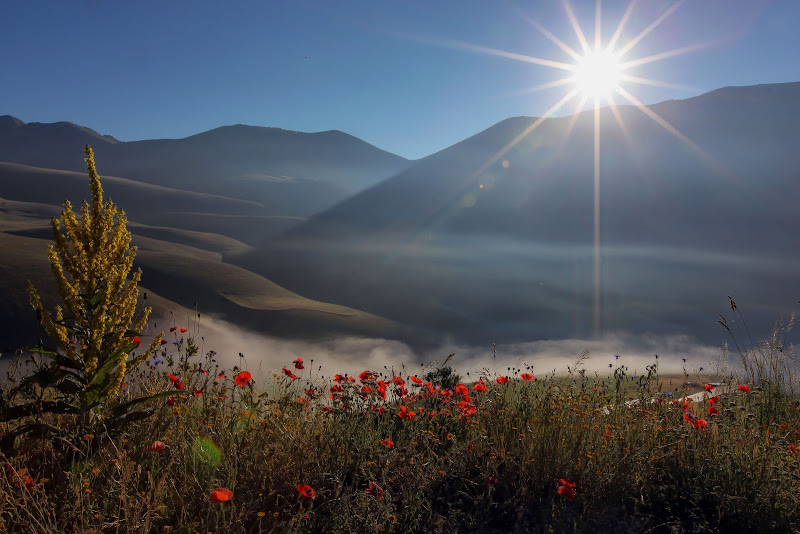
(712, 411)
(182, 330)
(298, 363)
(288, 373)
(137, 341)
(197, 392)
(387, 443)
(527, 377)
(172, 329)
(744, 388)
(158, 446)
(567, 489)
(336, 389)
(501, 380)
(480, 387)
(491, 481)
(338, 378)
(306, 491)
(365, 375)
(163, 341)
(792, 448)
(398, 380)
(713, 399)
(708, 387)
(701, 423)
(406, 414)
(243, 378)
(221, 375)
(417, 381)
(220, 495)
(375, 490)
(171, 400)
(177, 385)
(461, 389)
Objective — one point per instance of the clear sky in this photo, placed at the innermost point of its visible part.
(388, 71)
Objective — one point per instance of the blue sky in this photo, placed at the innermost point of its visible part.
(386, 71)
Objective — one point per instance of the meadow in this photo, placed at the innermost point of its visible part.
(102, 433)
(388, 451)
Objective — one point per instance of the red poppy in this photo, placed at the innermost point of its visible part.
(310, 393)
(527, 377)
(338, 378)
(163, 341)
(220, 495)
(178, 384)
(336, 389)
(158, 446)
(708, 387)
(791, 448)
(171, 400)
(480, 387)
(398, 380)
(491, 481)
(406, 414)
(365, 375)
(306, 491)
(417, 381)
(713, 399)
(243, 378)
(221, 375)
(567, 489)
(712, 411)
(137, 341)
(182, 330)
(29, 482)
(197, 392)
(501, 379)
(744, 388)
(288, 373)
(173, 328)
(701, 423)
(298, 363)
(375, 490)
(461, 389)
(387, 443)
(366, 390)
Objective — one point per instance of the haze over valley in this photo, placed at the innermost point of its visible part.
(322, 236)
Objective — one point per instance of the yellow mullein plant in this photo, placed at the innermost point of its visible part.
(94, 330)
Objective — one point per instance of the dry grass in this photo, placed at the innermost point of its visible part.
(637, 467)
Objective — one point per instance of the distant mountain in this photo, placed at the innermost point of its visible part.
(289, 173)
(491, 247)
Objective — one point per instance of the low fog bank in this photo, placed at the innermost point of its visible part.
(265, 355)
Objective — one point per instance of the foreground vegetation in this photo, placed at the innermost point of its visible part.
(98, 435)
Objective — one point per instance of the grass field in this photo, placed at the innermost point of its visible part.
(306, 450)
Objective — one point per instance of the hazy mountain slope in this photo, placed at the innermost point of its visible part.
(183, 274)
(288, 173)
(484, 246)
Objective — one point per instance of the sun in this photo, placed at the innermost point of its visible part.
(598, 73)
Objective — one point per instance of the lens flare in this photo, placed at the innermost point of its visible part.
(206, 452)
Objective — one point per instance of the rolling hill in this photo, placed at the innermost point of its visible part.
(486, 242)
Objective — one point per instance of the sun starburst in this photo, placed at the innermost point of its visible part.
(598, 73)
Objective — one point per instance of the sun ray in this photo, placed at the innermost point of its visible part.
(621, 25)
(575, 116)
(615, 110)
(541, 87)
(651, 27)
(663, 123)
(668, 53)
(656, 83)
(576, 26)
(509, 55)
(544, 31)
(597, 33)
(597, 255)
(502, 152)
